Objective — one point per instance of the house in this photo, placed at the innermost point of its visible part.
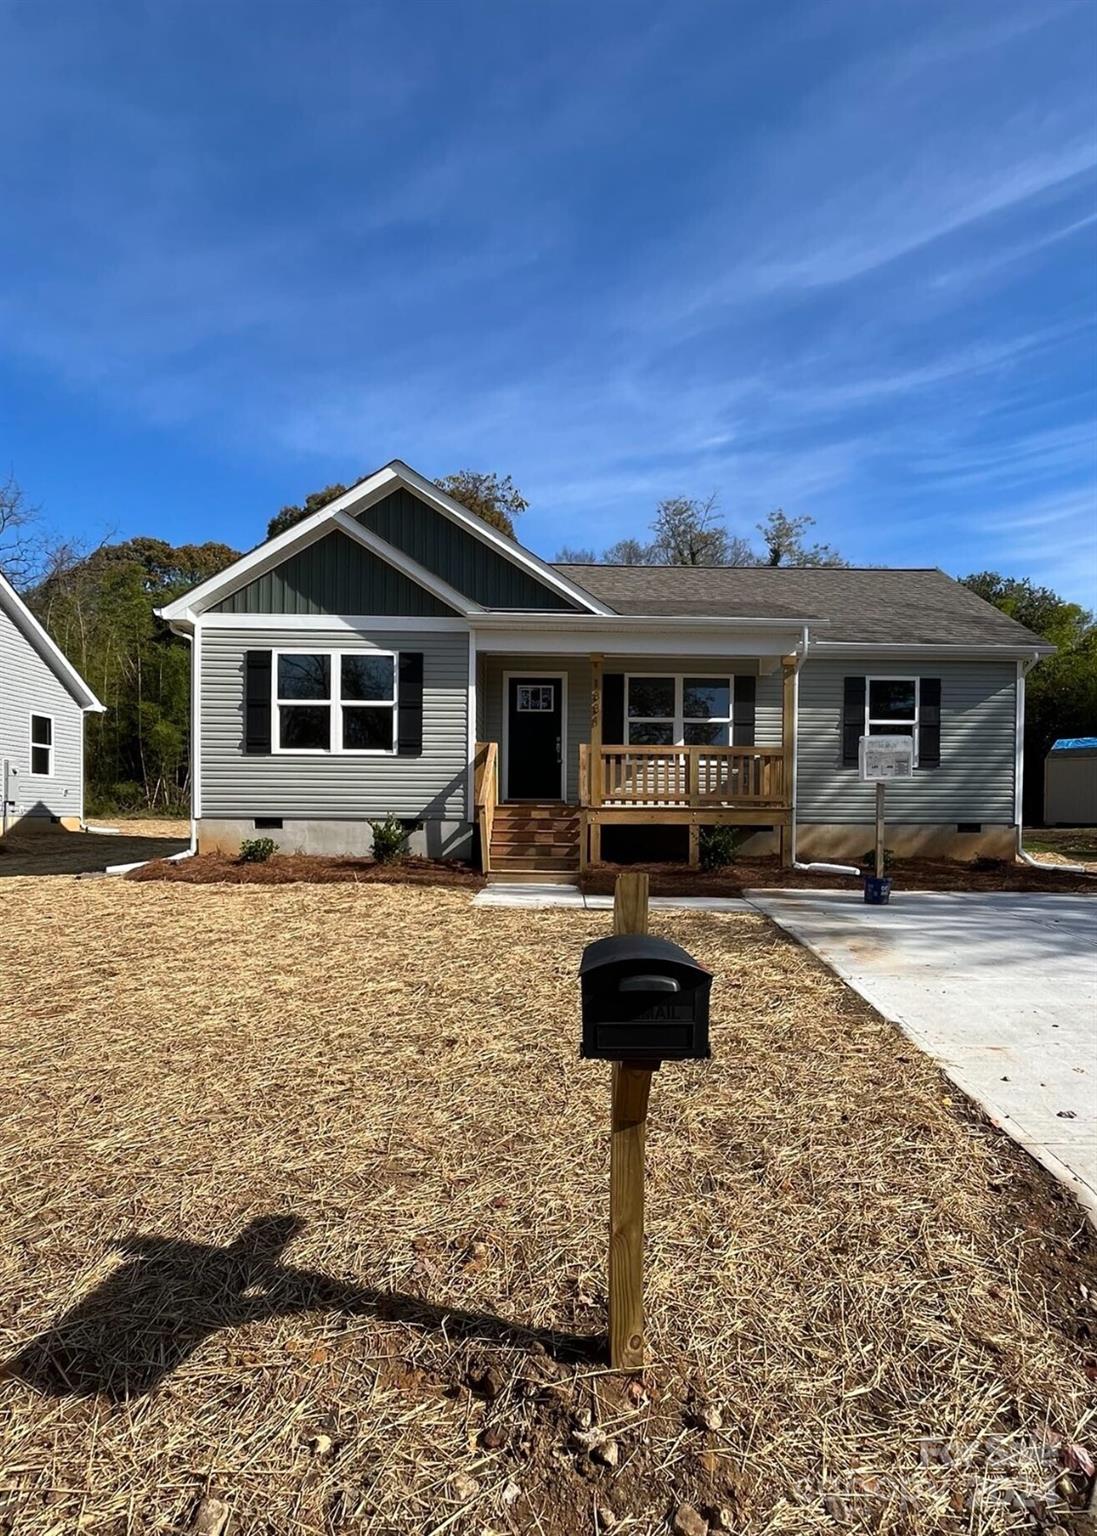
(1070, 782)
(43, 701)
(394, 653)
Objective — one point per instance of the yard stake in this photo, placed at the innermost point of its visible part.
(881, 790)
(630, 1086)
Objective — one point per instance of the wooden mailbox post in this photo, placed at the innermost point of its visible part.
(631, 1085)
(644, 1000)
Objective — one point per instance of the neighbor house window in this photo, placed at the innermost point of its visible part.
(335, 701)
(41, 745)
(891, 708)
(676, 711)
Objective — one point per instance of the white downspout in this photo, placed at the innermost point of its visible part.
(814, 869)
(1023, 669)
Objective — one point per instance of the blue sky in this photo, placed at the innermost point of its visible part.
(840, 257)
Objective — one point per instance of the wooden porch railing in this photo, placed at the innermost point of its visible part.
(684, 777)
(486, 796)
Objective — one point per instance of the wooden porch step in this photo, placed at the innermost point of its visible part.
(539, 810)
(535, 865)
(534, 852)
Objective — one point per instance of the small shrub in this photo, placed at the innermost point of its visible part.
(389, 838)
(867, 861)
(257, 850)
(720, 846)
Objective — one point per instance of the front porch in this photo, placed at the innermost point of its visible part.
(607, 783)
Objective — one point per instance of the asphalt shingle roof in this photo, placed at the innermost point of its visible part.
(869, 606)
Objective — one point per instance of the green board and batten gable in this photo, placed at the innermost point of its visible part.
(335, 575)
(459, 558)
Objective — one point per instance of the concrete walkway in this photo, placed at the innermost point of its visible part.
(540, 896)
(1000, 988)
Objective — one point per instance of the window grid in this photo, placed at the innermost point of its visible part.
(679, 720)
(41, 746)
(894, 725)
(336, 704)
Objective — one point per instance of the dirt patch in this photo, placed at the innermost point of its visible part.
(1070, 845)
(145, 826)
(290, 869)
(907, 874)
(53, 851)
(303, 1193)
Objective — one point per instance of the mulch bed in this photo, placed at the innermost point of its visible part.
(293, 868)
(303, 1194)
(907, 875)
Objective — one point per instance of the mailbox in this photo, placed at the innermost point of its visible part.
(644, 1000)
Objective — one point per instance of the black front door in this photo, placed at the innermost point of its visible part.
(535, 719)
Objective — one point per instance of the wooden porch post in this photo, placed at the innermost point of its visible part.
(595, 757)
(788, 748)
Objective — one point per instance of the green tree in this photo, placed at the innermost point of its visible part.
(99, 609)
(1061, 690)
(495, 498)
(289, 516)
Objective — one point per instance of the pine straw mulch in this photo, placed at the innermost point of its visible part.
(906, 874)
(316, 869)
(303, 1194)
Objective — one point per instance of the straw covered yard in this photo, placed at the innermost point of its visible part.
(303, 1193)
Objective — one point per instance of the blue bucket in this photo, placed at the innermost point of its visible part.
(877, 890)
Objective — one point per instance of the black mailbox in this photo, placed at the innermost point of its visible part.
(644, 999)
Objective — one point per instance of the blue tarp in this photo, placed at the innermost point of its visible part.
(1076, 744)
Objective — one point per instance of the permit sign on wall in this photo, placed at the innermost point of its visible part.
(886, 757)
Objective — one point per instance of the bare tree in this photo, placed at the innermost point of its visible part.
(689, 532)
(784, 541)
(629, 552)
(21, 541)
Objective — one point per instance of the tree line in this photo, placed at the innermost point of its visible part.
(99, 606)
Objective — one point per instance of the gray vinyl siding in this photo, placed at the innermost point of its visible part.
(335, 575)
(577, 669)
(29, 685)
(465, 562)
(336, 785)
(974, 781)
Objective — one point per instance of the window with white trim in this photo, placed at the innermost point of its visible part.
(335, 701)
(892, 708)
(41, 745)
(664, 710)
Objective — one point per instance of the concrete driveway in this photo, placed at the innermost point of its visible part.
(1000, 988)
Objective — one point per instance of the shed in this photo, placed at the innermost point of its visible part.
(1070, 783)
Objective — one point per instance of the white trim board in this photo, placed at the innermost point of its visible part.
(351, 623)
(373, 488)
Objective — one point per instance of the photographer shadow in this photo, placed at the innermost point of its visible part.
(171, 1295)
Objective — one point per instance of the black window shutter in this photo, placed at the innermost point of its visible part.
(929, 723)
(257, 682)
(742, 711)
(409, 722)
(613, 709)
(853, 719)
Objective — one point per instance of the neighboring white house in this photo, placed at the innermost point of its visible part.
(43, 701)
